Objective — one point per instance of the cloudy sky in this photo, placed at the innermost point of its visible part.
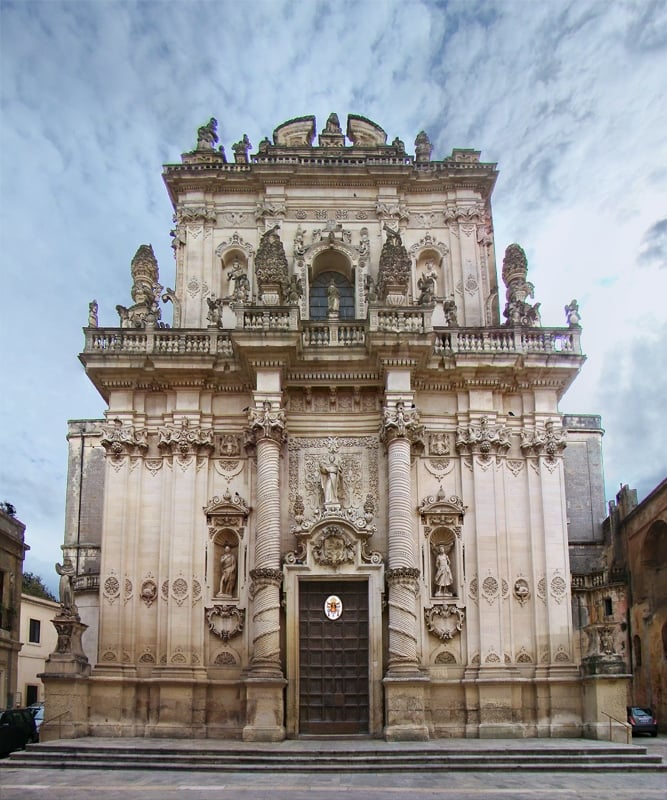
(569, 97)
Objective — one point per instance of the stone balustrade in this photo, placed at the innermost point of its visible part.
(335, 333)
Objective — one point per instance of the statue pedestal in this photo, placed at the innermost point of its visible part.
(605, 686)
(66, 684)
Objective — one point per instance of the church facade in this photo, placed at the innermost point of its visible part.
(330, 497)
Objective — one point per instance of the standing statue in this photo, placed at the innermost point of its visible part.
(241, 291)
(92, 314)
(227, 572)
(426, 285)
(333, 298)
(443, 572)
(207, 135)
(66, 591)
(572, 314)
(449, 307)
(214, 315)
(329, 468)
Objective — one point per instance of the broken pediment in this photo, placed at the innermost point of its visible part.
(297, 132)
(364, 132)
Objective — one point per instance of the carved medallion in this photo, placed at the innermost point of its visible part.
(444, 621)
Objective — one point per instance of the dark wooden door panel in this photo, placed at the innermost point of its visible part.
(333, 659)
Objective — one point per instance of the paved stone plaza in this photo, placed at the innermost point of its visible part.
(56, 784)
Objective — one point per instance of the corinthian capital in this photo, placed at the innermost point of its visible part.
(266, 423)
(185, 441)
(121, 440)
(401, 422)
(545, 441)
(484, 440)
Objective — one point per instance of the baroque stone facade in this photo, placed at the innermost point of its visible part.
(331, 497)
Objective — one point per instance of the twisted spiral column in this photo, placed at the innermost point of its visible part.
(403, 573)
(266, 577)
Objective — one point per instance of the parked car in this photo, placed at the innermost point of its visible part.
(38, 713)
(17, 728)
(642, 720)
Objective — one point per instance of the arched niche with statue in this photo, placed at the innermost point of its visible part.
(226, 518)
(442, 519)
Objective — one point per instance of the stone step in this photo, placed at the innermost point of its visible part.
(304, 758)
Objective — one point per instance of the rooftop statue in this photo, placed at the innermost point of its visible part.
(515, 269)
(241, 150)
(572, 315)
(207, 135)
(423, 148)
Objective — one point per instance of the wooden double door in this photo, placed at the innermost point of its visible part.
(333, 659)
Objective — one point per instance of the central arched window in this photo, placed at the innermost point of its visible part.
(319, 295)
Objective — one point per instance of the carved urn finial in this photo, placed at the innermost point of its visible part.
(515, 269)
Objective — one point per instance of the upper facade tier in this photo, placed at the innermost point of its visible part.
(337, 238)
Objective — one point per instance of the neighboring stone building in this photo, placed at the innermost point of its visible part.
(638, 536)
(12, 553)
(39, 639)
(331, 498)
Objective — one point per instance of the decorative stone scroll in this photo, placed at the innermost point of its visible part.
(444, 621)
(225, 621)
(483, 440)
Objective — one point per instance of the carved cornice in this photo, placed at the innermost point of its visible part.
(441, 511)
(483, 439)
(121, 440)
(226, 512)
(266, 423)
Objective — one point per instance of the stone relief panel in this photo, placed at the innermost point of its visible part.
(332, 474)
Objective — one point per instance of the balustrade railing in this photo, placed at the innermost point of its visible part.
(333, 333)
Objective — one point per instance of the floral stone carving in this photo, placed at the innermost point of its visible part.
(444, 621)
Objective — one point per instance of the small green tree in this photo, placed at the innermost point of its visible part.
(34, 585)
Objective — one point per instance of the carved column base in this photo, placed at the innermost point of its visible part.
(67, 703)
(265, 710)
(405, 709)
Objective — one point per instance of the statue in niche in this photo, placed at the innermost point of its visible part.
(92, 314)
(449, 307)
(426, 285)
(207, 135)
(227, 572)
(333, 298)
(237, 274)
(443, 579)
(65, 589)
(329, 473)
(572, 314)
